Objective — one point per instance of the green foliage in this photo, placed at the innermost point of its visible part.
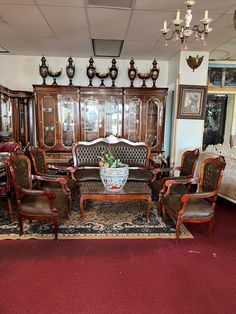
(107, 159)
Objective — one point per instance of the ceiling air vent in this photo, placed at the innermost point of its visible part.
(107, 47)
(126, 4)
(3, 50)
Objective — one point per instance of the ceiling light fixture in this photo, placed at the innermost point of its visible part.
(183, 32)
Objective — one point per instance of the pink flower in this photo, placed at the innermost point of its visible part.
(100, 163)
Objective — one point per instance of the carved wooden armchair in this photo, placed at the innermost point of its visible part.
(36, 204)
(40, 167)
(196, 207)
(186, 170)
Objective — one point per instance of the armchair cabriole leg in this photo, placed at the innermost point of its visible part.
(56, 228)
(210, 226)
(20, 222)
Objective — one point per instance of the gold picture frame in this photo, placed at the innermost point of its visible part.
(192, 102)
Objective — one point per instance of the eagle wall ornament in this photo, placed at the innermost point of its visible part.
(194, 62)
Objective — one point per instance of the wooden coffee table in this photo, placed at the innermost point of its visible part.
(132, 191)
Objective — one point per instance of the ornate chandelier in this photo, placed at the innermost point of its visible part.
(183, 31)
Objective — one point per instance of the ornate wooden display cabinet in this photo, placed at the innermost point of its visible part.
(69, 114)
(101, 112)
(16, 116)
(144, 116)
(57, 116)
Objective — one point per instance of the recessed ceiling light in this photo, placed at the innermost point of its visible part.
(112, 3)
(107, 47)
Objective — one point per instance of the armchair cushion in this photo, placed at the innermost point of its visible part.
(35, 205)
(196, 208)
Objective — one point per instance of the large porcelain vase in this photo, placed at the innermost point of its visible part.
(114, 179)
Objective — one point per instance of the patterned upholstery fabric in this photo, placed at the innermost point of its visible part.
(211, 177)
(134, 156)
(21, 172)
(87, 155)
(187, 166)
(39, 160)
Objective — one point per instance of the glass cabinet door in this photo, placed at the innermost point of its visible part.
(153, 121)
(6, 129)
(90, 118)
(113, 117)
(132, 119)
(49, 120)
(66, 113)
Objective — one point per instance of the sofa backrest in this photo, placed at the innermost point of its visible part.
(86, 154)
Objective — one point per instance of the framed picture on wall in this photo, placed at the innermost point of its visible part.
(192, 102)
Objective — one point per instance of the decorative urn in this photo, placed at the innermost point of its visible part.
(132, 72)
(91, 71)
(113, 72)
(154, 72)
(70, 70)
(43, 70)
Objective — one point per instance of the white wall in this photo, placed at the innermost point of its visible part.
(21, 72)
(189, 132)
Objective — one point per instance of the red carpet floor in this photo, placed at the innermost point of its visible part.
(123, 276)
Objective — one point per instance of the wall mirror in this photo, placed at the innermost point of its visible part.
(220, 119)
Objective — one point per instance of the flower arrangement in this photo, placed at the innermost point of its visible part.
(108, 160)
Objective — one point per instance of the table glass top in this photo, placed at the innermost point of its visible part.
(129, 188)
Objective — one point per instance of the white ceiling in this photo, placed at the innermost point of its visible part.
(63, 28)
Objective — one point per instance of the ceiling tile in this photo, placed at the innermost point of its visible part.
(58, 18)
(140, 25)
(165, 5)
(17, 1)
(137, 49)
(43, 44)
(76, 47)
(108, 23)
(6, 30)
(218, 7)
(79, 3)
(14, 43)
(26, 20)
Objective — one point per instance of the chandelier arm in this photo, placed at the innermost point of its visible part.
(196, 28)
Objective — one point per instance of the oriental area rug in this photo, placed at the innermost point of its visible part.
(101, 221)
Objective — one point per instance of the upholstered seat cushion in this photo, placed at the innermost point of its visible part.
(140, 175)
(38, 205)
(196, 208)
(93, 175)
(82, 175)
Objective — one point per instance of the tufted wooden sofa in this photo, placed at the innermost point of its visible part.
(86, 158)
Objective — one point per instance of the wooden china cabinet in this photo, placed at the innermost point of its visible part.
(57, 120)
(101, 112)
(67, 114)
(16, 116)
(144, 116)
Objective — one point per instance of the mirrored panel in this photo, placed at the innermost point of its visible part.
(113, 117)
(132, 119)
(49, 120)
(90, 121)
(215, 117)
(66, 108)
(153, 122)
(6, 129)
